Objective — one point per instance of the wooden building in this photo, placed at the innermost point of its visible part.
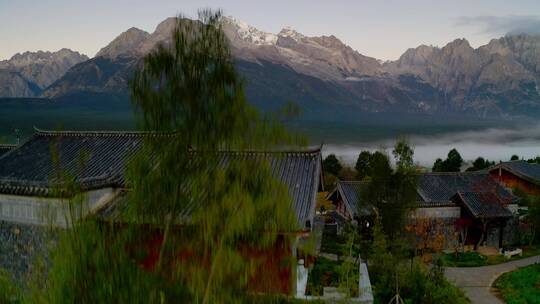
(97, 162)
(483, 211)
(350, 204)
(518, 175)
(438, 199)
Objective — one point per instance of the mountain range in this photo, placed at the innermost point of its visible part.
(323, 75)
(29, 73)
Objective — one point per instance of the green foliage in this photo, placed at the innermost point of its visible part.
(91, 265)
(325, 272)
(421, 286)
(520, 286)
(347, 174)
(349, 271)
(9, 293)
(474, 259)
(416, 283)
(403, 154)
(393, 193)
(193, 90)
(331, 165)
(535, 160)
(342, 273)
(341, 244)
(438, 166)
(533, 217)
(452, 163)
(464, 259)
(363, 165)
(480, 164)
(330, 181)
(514, 157)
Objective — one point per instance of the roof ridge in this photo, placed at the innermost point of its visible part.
(288, 151)
(351, 181)
(40, 132)
(480, 191)
(454, 173)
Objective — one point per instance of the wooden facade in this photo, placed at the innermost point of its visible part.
(514, 181)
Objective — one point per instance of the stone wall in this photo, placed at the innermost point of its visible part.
(20, 245)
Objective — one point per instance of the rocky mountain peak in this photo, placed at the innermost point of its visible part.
(415, 56)
(289, 32)
(42, 57)
(25, 74)
(127, 43)
(166, 26)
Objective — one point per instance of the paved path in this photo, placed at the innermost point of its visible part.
(476, 281)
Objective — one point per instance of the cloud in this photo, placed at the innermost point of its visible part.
(500, 25)
(495, 144)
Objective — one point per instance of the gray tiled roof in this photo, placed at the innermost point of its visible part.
(523, 169)
(351, 192)
(300, 171)
(98, 159)
(484, 204)
(437, 189)
(93, 159)
(5, 149)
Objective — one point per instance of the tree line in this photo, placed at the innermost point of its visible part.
(454, 162)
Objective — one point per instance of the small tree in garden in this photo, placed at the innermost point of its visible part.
(428, 235)
(349, 268)
(533, 218)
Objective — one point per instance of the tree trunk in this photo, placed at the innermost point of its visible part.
(168, 220)
(212, 272)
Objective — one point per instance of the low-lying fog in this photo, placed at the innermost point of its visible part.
(494, 144)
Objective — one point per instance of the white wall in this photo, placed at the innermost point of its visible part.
(437, 212)
(43, 211)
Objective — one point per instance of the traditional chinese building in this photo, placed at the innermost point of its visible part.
(518, 175)
(96, 163)
(446, 198)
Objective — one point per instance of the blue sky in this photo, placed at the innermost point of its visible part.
(383, 29)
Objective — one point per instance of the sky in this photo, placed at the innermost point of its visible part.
(383, 29)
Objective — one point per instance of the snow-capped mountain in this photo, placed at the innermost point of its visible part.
(325, 57)
(248, 33)
(324, 74)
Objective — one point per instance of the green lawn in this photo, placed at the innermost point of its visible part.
(521, 286)
(474, 259)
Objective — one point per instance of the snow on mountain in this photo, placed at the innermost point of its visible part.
(291, 33)
(249, 33)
